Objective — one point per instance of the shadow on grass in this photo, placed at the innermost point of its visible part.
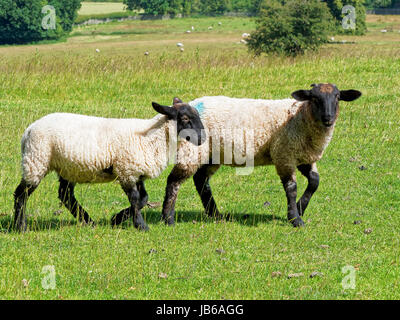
(151, 217)
(43, 224)
(251, 220)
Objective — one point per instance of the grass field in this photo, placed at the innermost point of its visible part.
(90, 8)
(120, 81)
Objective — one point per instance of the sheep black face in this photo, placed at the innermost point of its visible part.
(188, 122)
(324, 98)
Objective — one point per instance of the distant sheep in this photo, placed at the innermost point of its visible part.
(84, 149)
(287, 133)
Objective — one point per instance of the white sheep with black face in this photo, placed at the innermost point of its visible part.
(84, 149)
(289, 134)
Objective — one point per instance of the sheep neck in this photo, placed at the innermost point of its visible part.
(159, 137)
(317, 135)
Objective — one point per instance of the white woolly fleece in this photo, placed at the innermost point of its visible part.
(80, 147)
(284, 133)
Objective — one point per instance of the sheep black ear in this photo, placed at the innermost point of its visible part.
(176, 100)
(349, 95)
(170, 112)
(302, 95)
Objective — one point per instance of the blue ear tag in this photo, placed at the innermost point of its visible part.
(199, 107)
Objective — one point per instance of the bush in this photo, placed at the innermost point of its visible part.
(291, 28)
(21, 21)
(336, 7)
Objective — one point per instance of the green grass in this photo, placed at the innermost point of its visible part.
(174, 26)
(119, 81)
(102, 11)
(90, 8)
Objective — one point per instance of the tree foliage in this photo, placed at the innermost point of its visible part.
(187, 7)
(381, 3)
(156, 7)
(291, 27)
(21, 20)
(336, 7)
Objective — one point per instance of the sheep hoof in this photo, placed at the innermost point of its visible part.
(220, 218)
(84, 222)
(20, 228)
(142, 227)
(169, 220)
(297, 222)
(91, 223)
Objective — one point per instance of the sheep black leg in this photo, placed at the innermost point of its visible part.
(313, 182)
(134, 199)
(21, 195)
(121, 216)
(144, 197)
(201, 180)
(174, 181)
(67, 197)
(127, 213)
(290, 187)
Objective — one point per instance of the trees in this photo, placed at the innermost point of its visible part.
(157, 7)
(380, 3)
(249, 6)
(206, 7)
(211, 7)
(291, 27)
(336, 7)
(25, 21)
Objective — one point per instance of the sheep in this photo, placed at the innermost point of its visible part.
(287, 133)
(84, 149)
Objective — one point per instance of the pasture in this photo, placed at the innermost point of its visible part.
(198, 258)
(89, 8)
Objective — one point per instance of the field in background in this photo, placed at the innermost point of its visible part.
(90, 8)
(120, 81)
